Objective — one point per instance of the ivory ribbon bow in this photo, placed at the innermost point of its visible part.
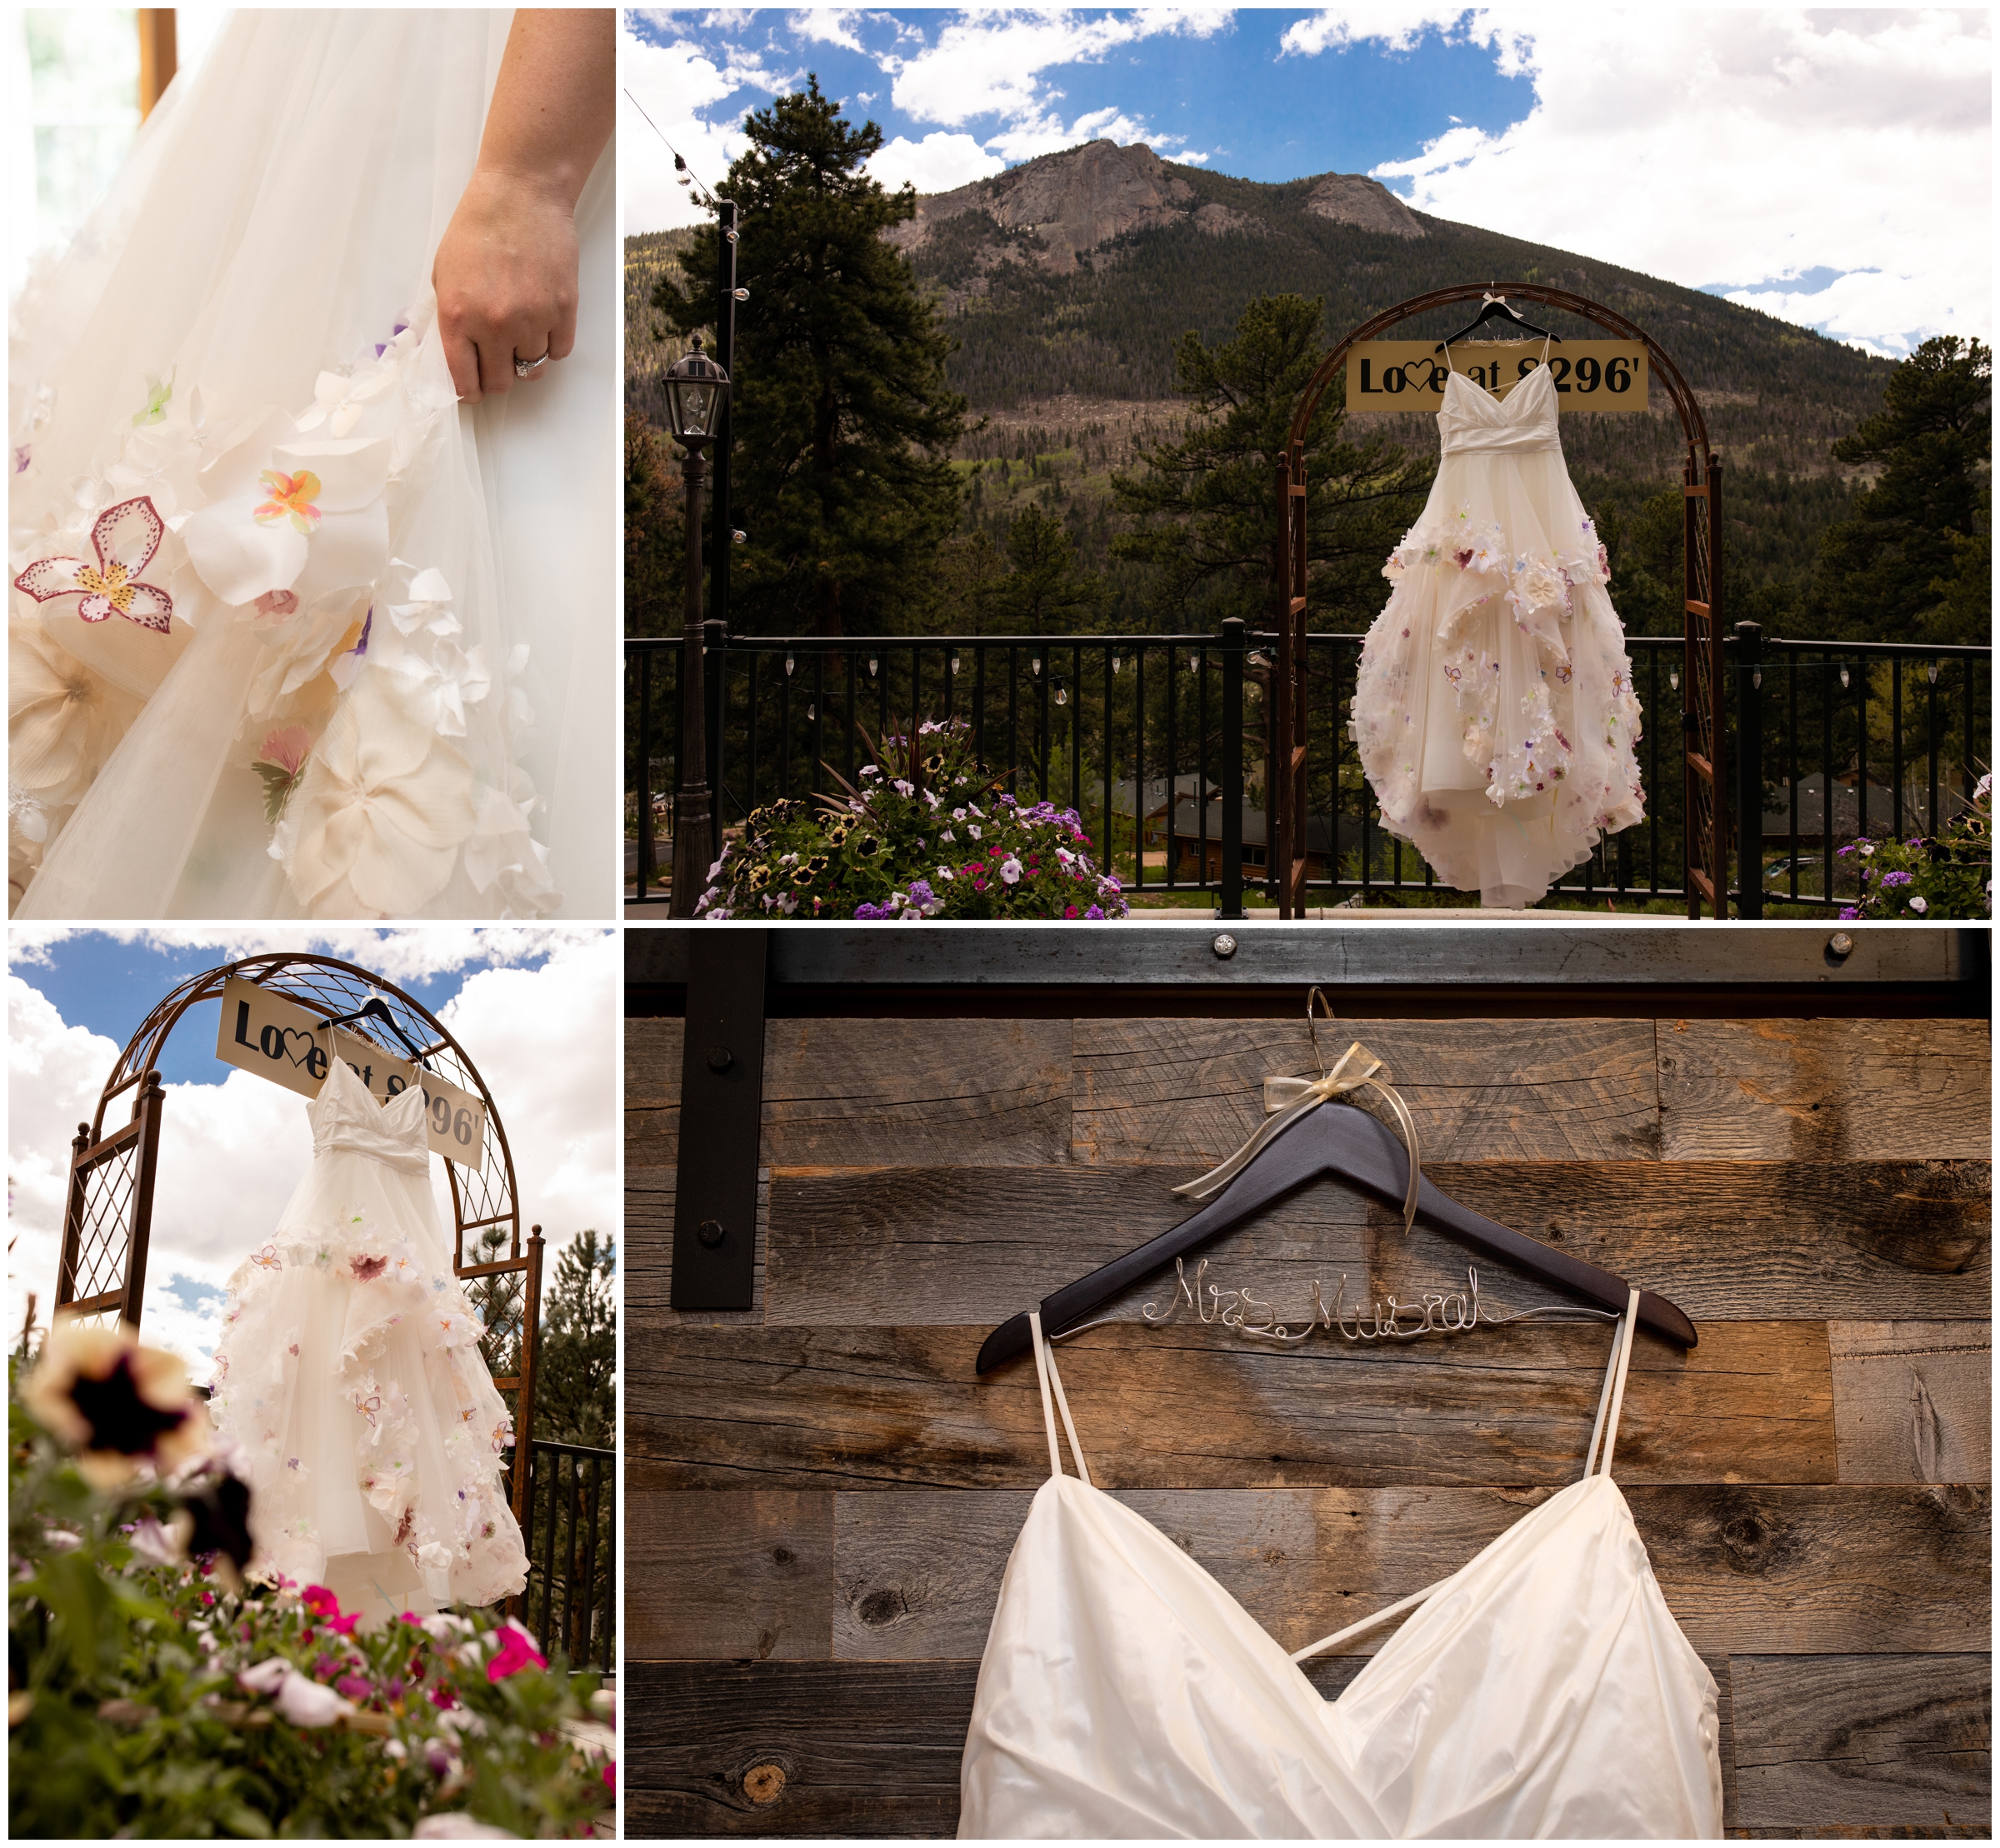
(1286, 1100)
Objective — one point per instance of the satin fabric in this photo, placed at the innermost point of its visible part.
(251, 303)
(1494, 712)
(350, 1383)
(1545, 1691)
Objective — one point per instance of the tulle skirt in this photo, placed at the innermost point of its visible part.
(1494, 710)
(293, 633)
(350, 1385)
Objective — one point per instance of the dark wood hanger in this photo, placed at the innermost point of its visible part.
(1497, 310)
(373, 1010)
(1339, 1139)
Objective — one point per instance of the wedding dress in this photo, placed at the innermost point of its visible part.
(350, 1384)
(1494, 710)
(292, 633)
(1543, 1689)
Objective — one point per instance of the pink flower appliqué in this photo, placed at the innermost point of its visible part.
(287, 746)
(291, 498)
(367, 1269)
(125, 539)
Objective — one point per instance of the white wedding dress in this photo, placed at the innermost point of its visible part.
(1542, 1690)
(1494, 710)
(350, 1385)
(293, 634)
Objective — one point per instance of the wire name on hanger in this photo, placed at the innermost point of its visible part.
(1435, 1312)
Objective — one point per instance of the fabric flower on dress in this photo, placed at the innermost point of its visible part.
(61, 716)
(279, 764)
(380, 812)
(125, 538)
(307, 516)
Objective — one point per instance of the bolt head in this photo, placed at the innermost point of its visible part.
(710, 1232)
(720, 1058)
(1840, 944)
(1224, 946)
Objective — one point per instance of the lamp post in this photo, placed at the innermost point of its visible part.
(697, 390)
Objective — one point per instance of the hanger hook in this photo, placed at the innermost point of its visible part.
(1311, 1026)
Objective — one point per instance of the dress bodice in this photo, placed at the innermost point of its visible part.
(346, 1118)
(1472, 418)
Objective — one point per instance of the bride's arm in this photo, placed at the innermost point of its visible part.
(506, 271)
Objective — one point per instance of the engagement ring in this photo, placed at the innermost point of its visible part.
(527, 368)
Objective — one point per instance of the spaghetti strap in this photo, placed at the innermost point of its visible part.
(1611, 1399)
(1045, 1369)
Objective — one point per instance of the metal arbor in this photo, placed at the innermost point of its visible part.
(1706, 813)
(108, 1223)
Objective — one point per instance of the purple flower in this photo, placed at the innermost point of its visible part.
(1896, 878)
(1849, 914)
(1095, 911)
(864, 909)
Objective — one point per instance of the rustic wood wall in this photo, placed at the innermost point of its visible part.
(821, 1497)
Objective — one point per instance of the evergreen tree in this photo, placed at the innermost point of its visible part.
(575, 1370)
(1044, 593)
(655, 528)
(843, 421)
(1203, 511)
(1911, 562)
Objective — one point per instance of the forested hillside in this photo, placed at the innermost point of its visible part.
(1066, 284)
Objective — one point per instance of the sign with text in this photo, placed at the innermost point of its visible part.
(279, 1040)
(1409, 375)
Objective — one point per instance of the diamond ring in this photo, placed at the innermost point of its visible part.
(527, 368)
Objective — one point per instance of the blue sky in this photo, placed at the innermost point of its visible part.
(1834, 168)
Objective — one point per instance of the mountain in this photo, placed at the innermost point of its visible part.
(1068, 280)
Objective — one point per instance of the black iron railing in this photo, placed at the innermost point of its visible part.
(1159, 743)
(571, 1603)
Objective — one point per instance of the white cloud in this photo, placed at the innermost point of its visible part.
(681, 86)
(936, 164)
(232, 1152)
(828, 26)
(1045, 134)
(1394, 28)
(1741, 148)
(992, 64)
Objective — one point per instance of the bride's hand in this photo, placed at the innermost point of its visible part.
(506, 278)
(506, 269)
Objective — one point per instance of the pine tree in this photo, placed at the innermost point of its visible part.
(843, 421)
(1911, 562)
(655, 528)
(1203, 510)
(575, 1376)
(1044, 593)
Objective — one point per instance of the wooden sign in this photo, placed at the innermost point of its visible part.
(1409, 375)
(279, 1040)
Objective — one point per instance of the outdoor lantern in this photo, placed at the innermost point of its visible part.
(697, 391)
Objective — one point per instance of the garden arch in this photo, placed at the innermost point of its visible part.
(1706, 815)
(107, 1222)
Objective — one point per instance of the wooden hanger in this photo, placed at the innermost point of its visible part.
(1495, 308)
(1339, 1139)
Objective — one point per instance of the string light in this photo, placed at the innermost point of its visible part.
(681, 171)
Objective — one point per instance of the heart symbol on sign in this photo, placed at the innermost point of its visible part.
(305, 1034)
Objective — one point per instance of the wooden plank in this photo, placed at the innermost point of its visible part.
(1822, 1570)
(1723, 1239)
(873, 1093)
(836, 1748)
(1913, 1401)
(728, 1573)
(1826, 1090)
(1863, 1741)
(649, 1195)
(1195, 1407)
(1479, 1091)
(913, 1575)
(652, 1092)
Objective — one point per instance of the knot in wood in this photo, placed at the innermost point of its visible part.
(764, 1783)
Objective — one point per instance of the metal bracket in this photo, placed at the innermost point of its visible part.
(721, 1112)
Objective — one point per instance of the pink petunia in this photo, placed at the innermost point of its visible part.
(516, 1650)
